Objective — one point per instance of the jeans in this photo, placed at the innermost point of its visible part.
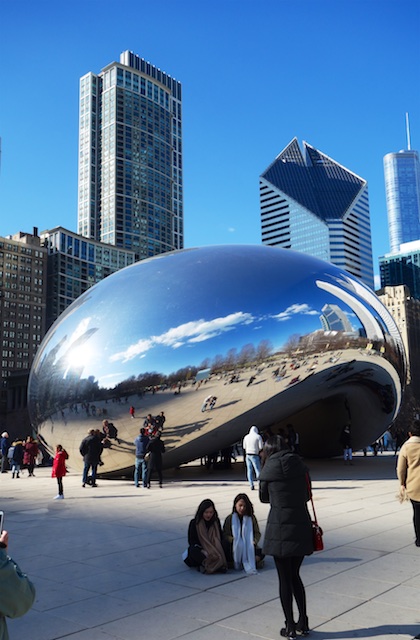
(86, 468)
(140, 462)
(253, 466)
(348, 454)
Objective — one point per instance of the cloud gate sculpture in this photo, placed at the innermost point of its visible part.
(275, 336)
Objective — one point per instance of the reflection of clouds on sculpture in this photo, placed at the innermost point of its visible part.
(189, 332)
(150, 329)
(294, 310)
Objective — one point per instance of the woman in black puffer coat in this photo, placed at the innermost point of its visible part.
(285, 484)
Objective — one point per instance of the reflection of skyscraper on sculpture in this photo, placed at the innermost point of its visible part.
(314, 205)
(334, 319)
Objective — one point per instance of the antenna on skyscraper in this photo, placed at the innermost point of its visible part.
(407, 126)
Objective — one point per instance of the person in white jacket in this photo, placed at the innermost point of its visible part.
(252, 445)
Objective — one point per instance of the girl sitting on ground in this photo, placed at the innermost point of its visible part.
(205, 541)
(242, 532)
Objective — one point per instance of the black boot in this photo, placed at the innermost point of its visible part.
(289, 631)
(302, 626)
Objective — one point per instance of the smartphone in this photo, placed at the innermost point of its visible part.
(1, 520)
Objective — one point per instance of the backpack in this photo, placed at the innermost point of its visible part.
(11, 453)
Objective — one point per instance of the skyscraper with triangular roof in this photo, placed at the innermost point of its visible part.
(311, 203)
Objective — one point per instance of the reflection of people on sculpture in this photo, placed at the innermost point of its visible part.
(250, 381)
(242, 532)
(132, 411)
(212, 402)
(205, 540)
(408, 469)
(149, 424)
(206, 402)
(252, 444)
(91, 449)
(160, 421)
(141, 443)
(110, 430)
(156, 448)
(17, 593)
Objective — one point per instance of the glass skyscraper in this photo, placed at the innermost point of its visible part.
(402, 186)
(310, 203)
(130, 158)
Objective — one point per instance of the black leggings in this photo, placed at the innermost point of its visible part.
(290, 584)
(416, 520)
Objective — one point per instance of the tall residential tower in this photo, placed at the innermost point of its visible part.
(130, 158)
(310, 203)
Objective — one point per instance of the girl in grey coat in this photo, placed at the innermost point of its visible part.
(285, 484)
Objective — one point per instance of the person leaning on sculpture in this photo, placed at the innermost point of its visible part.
(17, 593)
(408, 470)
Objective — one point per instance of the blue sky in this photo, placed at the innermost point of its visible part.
(339, 74)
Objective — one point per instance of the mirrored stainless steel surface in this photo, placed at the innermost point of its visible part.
(275, 336)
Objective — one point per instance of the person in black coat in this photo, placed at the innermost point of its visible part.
(285, 484)
(90, 448)
(156, 448)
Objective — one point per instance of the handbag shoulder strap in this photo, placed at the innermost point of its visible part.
(310, 493)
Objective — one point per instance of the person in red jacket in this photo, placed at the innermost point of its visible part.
(30, 453)
(59, 469)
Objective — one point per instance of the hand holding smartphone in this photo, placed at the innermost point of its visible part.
(1, 520)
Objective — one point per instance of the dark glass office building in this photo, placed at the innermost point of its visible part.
(311, 203)
(402, 268)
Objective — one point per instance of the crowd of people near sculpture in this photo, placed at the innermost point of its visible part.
(149, 448)
(283, 483)
(19, 454)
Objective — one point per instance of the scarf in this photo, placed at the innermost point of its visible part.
(209, 538)
(243, 544)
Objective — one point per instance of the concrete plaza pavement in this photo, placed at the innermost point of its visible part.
(106, 561)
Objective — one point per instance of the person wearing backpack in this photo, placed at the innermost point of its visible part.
(15, 456)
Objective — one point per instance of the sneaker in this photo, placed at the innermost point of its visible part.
(59, 497)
